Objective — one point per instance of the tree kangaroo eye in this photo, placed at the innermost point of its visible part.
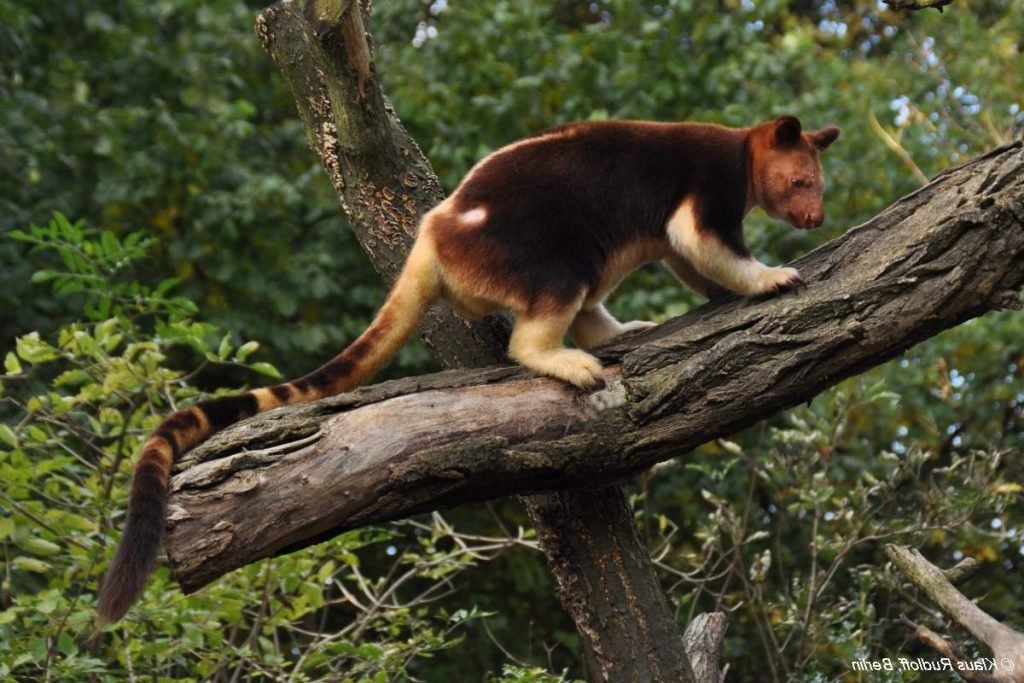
(798, 182)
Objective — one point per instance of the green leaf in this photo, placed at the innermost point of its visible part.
(71, 521)
(165, 286)
(31, 564)
(246, 350)
(112, 342)
(8, 436)
(39, 546)
(11, 364)
(224, 350)
(6, 527)
(44, 275)
(66, 644)
(71, 378)
(111, 247)
(33, 349)
(266, 369)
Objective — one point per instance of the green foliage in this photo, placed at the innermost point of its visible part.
(167, 118)
(93, 265)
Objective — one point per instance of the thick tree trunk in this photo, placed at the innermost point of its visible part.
(606, 583)
(385, 184)
(949, 252)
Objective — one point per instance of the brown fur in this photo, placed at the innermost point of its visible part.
(545, 228)
(624, 261)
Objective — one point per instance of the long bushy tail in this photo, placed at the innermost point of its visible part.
(416, 288)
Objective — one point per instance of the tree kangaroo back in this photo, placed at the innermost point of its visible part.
(546, 228)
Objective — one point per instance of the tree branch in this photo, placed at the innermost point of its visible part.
(702, 641)
(915, 5)
(946, 253)
(1007, 645)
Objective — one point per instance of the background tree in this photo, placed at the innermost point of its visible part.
(166, 119)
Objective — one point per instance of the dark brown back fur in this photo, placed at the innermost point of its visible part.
(560, 204)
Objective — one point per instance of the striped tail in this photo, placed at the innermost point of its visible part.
(417, 287)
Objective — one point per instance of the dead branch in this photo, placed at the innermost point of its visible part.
(1006, 644)
(914, 5)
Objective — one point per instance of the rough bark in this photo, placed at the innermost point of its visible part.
(703, 644)
(617, 589)
(948, 252)
(385, 184)
(1006, 644)
(607, 583)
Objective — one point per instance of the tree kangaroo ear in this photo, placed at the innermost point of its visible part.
(787, 131)
(824, 137)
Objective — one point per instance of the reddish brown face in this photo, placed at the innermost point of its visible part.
(786, 172)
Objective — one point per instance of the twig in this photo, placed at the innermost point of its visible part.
(914, 5)
(893, 144)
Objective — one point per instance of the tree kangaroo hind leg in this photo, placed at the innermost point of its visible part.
(538, 344)
(595, 325)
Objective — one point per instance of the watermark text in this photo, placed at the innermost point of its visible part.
(989, 664)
